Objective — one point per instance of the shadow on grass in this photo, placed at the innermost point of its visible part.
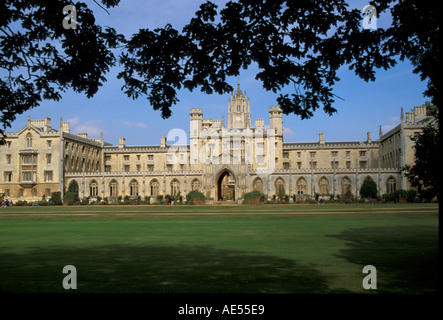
(156, 269)
(405, 257)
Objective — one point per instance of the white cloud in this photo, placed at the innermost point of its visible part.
(134, 124)
(92, 127)
(74, 121)
(392, 123)
(287, 132)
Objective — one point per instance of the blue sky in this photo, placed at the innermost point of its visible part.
(366, 106)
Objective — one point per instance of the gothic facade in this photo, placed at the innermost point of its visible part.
(223, 161)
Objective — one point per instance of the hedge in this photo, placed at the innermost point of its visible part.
(195, 197)
(253, 197)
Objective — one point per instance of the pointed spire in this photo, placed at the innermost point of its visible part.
(380, 132)
(402, 116)
(238, 93)
(223, 121)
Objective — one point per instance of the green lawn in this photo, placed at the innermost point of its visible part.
(220, 249)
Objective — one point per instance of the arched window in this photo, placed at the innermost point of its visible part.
(257, 185)
(93, 189)
(280, 186)
(323, 186)
(346, 186)
(133, 188)
(155, 187)
(113, 188)
(195, 185)
(29, 141)
(391, 185)
(301, 186)
(175, 187)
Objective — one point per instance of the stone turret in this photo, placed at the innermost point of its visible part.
(275, 120)
(239, 113)
(196, 120)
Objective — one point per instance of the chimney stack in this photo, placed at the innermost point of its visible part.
(122, 143)
(322, 138)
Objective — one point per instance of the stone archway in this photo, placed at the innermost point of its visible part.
(225, 185)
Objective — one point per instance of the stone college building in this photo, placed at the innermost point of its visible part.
(222, 160)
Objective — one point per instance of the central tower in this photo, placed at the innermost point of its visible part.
(239, 115)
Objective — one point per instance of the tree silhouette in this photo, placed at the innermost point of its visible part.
(297, 43)
(40, 59)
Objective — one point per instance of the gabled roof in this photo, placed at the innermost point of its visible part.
(29, 127)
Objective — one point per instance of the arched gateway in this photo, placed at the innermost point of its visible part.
(225, 185)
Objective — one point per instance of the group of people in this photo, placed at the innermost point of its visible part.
(6, 203)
